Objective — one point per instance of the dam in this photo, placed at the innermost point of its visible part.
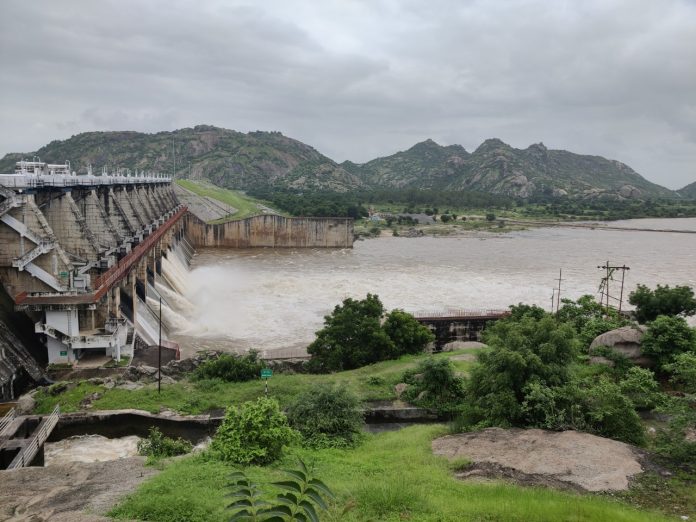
(90, 257)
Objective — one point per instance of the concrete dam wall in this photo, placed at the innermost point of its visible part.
(272, 231)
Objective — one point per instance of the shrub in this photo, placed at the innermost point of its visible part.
(157, 446)
(255, 433)
(640, 386)
(327, 416)
(672, 444)
(595, 406)
(683, 370)
(667, 337)
(435, 382)
(407, 334)
(522, 351)
(490, 217)
(662, 301)
(231, 368)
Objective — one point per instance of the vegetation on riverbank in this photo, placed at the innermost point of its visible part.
(390, 476)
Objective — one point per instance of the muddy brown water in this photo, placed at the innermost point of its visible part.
(272, 299)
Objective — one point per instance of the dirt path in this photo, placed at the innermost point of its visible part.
(75, 492)
(569, 459)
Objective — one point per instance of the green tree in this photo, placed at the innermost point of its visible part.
(522, 351)
(327, 416)
(433, 384)
(407, 334)
(667, 337)
(254, 433)
(352, 337)
(683, 371)
(662, 301)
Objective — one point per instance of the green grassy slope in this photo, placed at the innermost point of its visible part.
(245, 205)
(390, 477)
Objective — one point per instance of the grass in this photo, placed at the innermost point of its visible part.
(245, 205)
(370, 383)
(390, 477)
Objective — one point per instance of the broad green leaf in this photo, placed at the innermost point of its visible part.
(289, 485)
(318, 484)
(308, 508)
(299, 475)
(316, 498)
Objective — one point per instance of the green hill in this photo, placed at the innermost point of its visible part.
(269, 160)
(688, 192)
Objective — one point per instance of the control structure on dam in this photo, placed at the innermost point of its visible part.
(77, 253)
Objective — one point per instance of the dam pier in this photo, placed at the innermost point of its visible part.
(77, 253)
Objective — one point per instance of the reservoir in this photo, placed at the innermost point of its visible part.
(275, 299)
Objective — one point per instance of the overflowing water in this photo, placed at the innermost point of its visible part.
(89, 448)
(270, 299)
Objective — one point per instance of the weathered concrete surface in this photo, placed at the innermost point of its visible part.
(568, 459)
(272, 231)
(74, 492)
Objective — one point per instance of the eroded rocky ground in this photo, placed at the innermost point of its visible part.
(75, 492)
(567, 460)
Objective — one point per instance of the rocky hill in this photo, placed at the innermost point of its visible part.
(688, 192)
(498, 168)
(268, 159)
(225, 157)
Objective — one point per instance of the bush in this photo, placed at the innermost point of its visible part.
(595, 406)
(522, 351)
(662, 301)
(435, 382)
(666, 338)
(683, 370)
(640, 386)
(354, 336)
(671, 442)
(327, 416)
(255, 433)
(157, 446)
(231, 368)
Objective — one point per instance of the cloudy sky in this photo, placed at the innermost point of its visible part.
(360, 79)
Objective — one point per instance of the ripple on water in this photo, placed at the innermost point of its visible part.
(89, 448)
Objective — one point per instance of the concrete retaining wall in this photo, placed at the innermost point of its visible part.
(271, 231)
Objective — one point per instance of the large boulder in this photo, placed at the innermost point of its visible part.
(625, 341)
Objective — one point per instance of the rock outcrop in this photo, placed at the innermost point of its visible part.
(625, 341)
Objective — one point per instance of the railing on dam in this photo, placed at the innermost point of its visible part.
(108, 279)
(453, 315)
(33, 181)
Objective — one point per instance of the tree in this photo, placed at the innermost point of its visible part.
(522, 351)
(667, 337)
(352, 337)
(407, 334)
(490, 216)
(662, 301)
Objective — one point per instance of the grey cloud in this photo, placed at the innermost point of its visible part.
(365, 78)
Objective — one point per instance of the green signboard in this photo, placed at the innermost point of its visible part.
(64, 354)
(63, 274)
(266, 373)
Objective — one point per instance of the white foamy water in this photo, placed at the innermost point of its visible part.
(269, 299)
(89, 448)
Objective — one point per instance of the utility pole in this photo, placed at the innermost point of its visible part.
(553, 298)
(604, 286)
(558, 295)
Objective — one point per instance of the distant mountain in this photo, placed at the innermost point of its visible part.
(688, 192)
(498, 168)
(268, 159)
(227, 158)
